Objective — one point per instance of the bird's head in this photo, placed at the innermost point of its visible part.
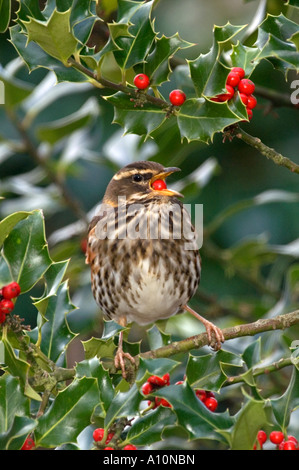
(136, 182)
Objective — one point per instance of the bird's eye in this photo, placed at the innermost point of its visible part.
(137, 178)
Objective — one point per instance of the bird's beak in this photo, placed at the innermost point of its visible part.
(162, 176)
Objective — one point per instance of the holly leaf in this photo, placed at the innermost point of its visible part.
(34, 57)
(249, 420)
(16, 366)
(15, 423)
(5, 12)
(207, 72)
(12, 401)
(69, 413)
(29, 8)
(149, 428)
(82, 19)
(193, 415)
(284, 405)
(211, 371)
(158, 367)
(243, 56)
(135, 45)
(157, 66)
(99, 348)
(15, 436)
(7, 224)
(123, 404)
(93, 368)
(157, 338)
(54, 35)
(274, 42)
(26, 251)
(136, 119)
(200, 119)
(55, 332)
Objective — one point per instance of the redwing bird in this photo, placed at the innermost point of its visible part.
(143, 265)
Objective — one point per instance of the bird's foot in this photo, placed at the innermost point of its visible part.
(119, 361)
(215, 334)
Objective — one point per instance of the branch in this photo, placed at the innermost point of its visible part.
(117, 86)
(195, 342)
(271, 154)
(261, 371)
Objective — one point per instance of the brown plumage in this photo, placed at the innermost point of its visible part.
(143, 266)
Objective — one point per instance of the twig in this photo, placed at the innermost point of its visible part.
(261, 371)
(270, 153)
(250, 329)
(117, 86)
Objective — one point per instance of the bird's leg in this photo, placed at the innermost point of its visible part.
(120, 354)
(210, 328)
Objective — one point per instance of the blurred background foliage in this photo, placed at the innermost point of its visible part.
(66, 150)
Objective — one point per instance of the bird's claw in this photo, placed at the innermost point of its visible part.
(215, 335)
(120, 363)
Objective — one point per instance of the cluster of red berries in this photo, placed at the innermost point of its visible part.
(176, 97)
(236, 81)
(98, 435)
(28, 444)
(7, 293)
(154, 382)
(277, 438)
(208, 398)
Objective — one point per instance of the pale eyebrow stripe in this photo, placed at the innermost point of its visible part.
(125, 174)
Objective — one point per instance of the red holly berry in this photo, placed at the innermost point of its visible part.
(162, 401)
(180, 382)
(233, 79)
(166, 378)
(177, 97)
(246, 86)
(6, 306)
(201, 394)
(109, 437)
(211, 403)
(249, 113)
(11, 291)
(251, 102)
(158, 185)
(239, 71)
(261, 437)
(210, 394)
(289, 445)
(147, 388)
(141, 81)
(98, 434)
(2, 317)
(292, 438)
(276, 437)
(225, 96)
(108, 448)
(280, 446)
(155, 380)
(28, 444)
(130, 447)
(244, 98)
